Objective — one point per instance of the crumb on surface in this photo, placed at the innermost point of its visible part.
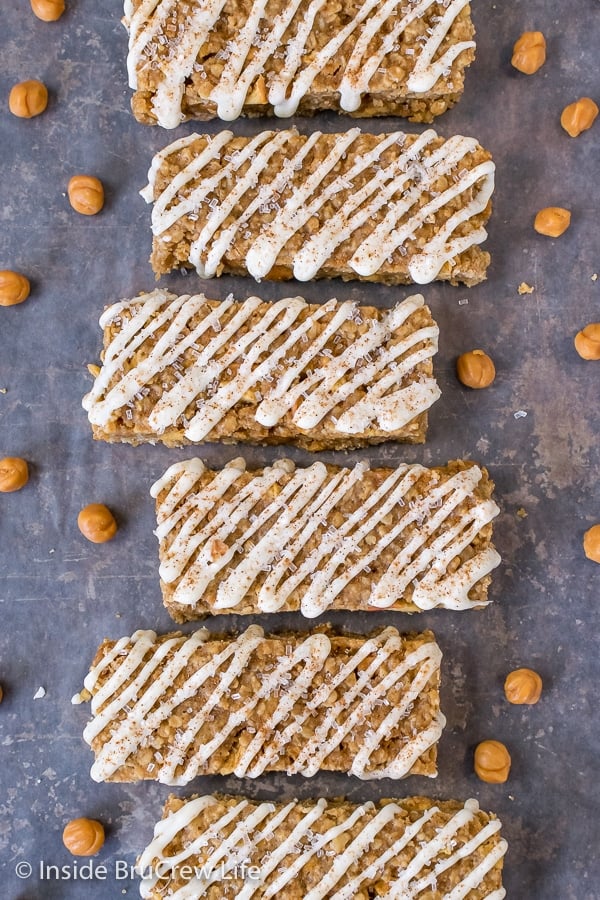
(525, 288)
(522, 513)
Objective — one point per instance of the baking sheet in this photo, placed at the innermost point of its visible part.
(61, 595)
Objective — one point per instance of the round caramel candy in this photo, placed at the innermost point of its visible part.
(475, 369)
(28, 99)
(97, 523)
(83, 837)
(86, 194)
(14, 288)
(48, 10)
(523, 686)
(14, 474)
(492, 762)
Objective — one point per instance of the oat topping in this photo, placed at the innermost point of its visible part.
(393, 207)
(308, 850)
(335, 372)
(323, 536)
(196, 60)
(174, 707)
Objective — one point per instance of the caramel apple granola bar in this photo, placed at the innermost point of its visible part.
(393, 208)
(221, 847)
(186, 370)
(323, 537)
(196, 60)
(173, 707)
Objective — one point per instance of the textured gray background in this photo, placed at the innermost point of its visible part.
(61, 595)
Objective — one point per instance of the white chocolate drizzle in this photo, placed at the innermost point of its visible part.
(252, 50)
(370, 383)
(154, 680)
(214, 853)
(267, 565)
(392, 210)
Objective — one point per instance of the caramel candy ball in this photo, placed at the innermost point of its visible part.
(591, 543)
(48, 10)
(587, 341)
(97, 523)
(83, 837)
(86, 194)
(475, 369)
(529, 52)
(579, 116)
(28, 99)
(552, 221)
(492, 762)
(523, 686)
(14, 288)
(14, 474)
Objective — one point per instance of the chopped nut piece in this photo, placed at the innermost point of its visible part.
(93, 370)
(492, 762)
(579, 116)
(218, 548)
(48, 10)
(83, 837)
(523, 686)
(525, 288)
(14, 288)
(258, 94)
(14, 474)
(86, 194)
(475, 369)
(529, 52)
(522, 513)
(587, 341)
(97, 523)
(552, 221)
(28, 99)
(591, 543)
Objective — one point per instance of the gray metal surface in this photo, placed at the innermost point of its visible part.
(61, 595)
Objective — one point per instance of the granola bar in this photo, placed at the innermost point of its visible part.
(173, 707)
(197, 60)
(323, 537)
(393, 208)
(221, 847)
(186, 370)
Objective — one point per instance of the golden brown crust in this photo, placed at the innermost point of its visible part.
(388, 92)
(356, 594)
(195, 821)
(171, 248)
(147, 758)
(130, 424)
